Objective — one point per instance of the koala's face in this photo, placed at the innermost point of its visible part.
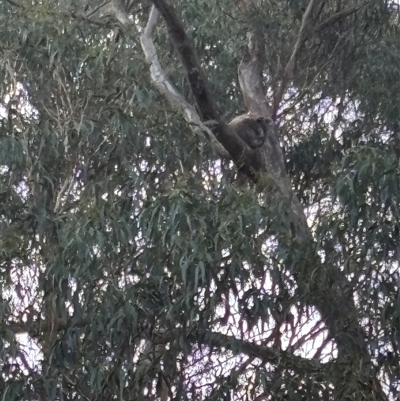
(252, 130)
(255, 138)
(257, 131)
(265, 124)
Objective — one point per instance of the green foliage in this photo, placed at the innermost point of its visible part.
(130, 261)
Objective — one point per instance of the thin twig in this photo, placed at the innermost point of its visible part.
(97, 8)
(308, 88)
(288, 71)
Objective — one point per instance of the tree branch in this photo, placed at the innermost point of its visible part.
(198, 83)
(238, 346)
(252, 86)
(288, 71)
(251, 70)
(242, 154)
(164, 86)
(15, 3)
(250, 76)
(339, 16)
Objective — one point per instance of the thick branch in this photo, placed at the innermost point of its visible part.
(250, 76)
(338, 17)
(164, 85)
(252, 86)
(15, 3)
(208, 108)
(238, 347)
(241, 153)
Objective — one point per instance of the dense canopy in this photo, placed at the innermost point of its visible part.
(147, 252)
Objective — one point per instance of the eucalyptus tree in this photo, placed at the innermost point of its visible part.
(148, 252)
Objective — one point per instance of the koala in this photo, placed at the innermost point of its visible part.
(252, 130)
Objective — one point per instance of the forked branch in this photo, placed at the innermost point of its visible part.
(251, 70)
(241, 154)
(165, 86)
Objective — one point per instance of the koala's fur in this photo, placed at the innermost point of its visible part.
(252, 130)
